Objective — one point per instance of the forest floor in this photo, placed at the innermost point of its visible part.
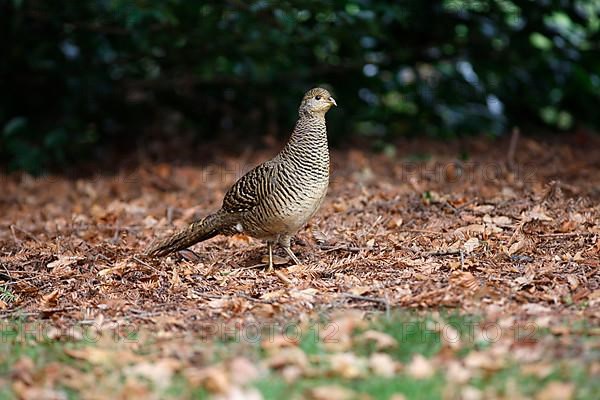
(442, 270)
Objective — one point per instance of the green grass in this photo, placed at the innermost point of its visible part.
(414, 333)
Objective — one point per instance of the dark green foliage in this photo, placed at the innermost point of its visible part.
(79, 73)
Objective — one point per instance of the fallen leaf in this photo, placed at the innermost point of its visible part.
(347, 365)
(93, 355)
(49, 300)
(330, 392)
(288, 356)
(540, 370)
(242, 370)
(212, 378)
(464, 279)
(158, 372)
(457, 373)
(535, 309)
(237, 393)
(279, 341)
(60, 266)
(537, 213)
(573, 281)
(502, 221)
(519, 246)
(22, 370)
(420, 368)
(382, 364)
(119, 269)
(471, 245)
(477, 360)
(382, 340)
(556, 391)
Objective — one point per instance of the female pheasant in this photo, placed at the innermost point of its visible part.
(277, 198)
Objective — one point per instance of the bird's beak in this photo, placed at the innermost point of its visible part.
(332, 101)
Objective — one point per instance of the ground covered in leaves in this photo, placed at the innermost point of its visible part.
(474, 229)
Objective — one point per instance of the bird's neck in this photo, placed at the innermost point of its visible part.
(309, 129)
(309, 137)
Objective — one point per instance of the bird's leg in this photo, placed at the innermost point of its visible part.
(285, 243)
(270, 256)
(292, 255)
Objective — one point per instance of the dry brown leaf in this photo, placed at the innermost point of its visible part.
(94, 355)
(556, 391)
(420, 367)
(477, 360)
(237, 393)
(471, 245)
(520, 246)
(502, 221)
(119, 269)
(464, 279)
(286, 357)
(360, 290)
(484, 209)
(330, 392)
(347, 365)
(540, 370)
(24, 392)
(243, 371)
(158, 372)
(535, 309)
(304, 294)
(62, 264)
(573, 281)
(457, 373)
(382, 340)
(279, 341)
(49, 300)
(537, 213)
(22, 370)
(212, 378)
(382, 364)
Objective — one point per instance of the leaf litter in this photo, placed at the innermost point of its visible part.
(517, 246)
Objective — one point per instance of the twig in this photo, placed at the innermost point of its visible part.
(566, 234)
(29, 235)
(364, 298)
(351, 249)
(244, 296)
(14, 235)
(422, 231)
(468, 203)
(379, 300)
(284, 278)
(512, 147)
(169, 215)
(147, 265)
(115, 237)
(449, 252)
(424, 295)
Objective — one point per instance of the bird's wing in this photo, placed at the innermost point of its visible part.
(247, 192)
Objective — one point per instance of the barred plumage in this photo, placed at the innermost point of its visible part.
(276, 199)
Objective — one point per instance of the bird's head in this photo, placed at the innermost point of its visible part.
(316, 101)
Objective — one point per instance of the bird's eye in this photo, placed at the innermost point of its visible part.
(317, 97)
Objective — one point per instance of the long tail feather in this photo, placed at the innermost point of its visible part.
(196, 232)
